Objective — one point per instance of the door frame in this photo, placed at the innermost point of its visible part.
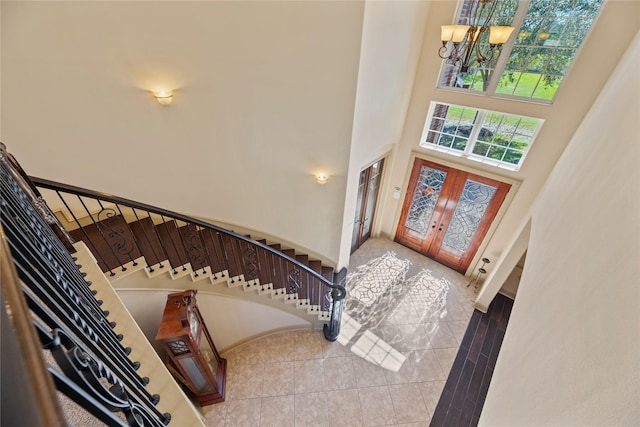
(384, 159)
(515, 185)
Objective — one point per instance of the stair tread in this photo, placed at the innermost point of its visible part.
(276, 246)
(327, 273)
(112, 239)
(316, 265)
(148, 242)
(176, 244)
(172, 243)
(214, 251)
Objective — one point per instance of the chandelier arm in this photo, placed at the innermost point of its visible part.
(474, 43)
(443, 50)
(481, 57)
(469, 48)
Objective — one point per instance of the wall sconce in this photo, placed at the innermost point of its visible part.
(163, 97)
(322, 178)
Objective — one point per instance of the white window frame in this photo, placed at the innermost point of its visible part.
(473, 137)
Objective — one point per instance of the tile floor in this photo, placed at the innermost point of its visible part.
(388, 369)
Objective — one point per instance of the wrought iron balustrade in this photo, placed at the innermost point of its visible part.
(42, 285)
(120, 232)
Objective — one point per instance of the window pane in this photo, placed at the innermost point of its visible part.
(513, 157)
(481, 149)
(552, 31)
(547, 41)
(477, 76)
(495, 138)
(452, 132)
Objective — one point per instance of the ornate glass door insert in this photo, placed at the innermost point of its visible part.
(425, 198)
(470, 210)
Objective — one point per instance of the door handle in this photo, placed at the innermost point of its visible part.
(434, 224)
(440, 228)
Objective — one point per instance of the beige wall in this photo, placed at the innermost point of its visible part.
(231, 320)
(264, 96)
(391, 41)
(570, 354)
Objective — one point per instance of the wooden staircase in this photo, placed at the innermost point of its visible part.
(124, 236)
(180, 249)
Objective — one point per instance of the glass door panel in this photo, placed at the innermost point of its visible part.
(368, 188)
(372, 198)
(425, 197)
(447, 212)
(356, 224)
(470, 210)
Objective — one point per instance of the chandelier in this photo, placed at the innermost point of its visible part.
(461, 44)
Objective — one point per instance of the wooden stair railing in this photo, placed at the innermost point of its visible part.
(120, 231)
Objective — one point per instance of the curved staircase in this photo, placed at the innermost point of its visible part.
(126, 236)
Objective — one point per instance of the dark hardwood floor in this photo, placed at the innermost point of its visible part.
(466, 388)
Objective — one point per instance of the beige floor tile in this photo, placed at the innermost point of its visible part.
(431, 392)
(440, 335)
(408, 403)
(458, 328)
(280, 346)
(243, 413)
(309, 375)
(403, 314)
(339, 373)
(243, 384)
(334, 349)
(278, 411)
(445, 357)
(215, 414)
(403, 375)
(426, 366)
(368, 374)
(311, 410)
(278, 379)
(344, 408)
(308, 345)
(377, 407)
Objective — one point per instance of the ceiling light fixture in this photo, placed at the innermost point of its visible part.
(464, 44)
(164, 97)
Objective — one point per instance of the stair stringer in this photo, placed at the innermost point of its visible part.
(277, 310)
(251, 288)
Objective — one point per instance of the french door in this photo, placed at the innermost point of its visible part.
(366, 204)
(447, 212)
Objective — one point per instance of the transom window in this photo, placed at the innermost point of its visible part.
(535, 60)
(490, 137)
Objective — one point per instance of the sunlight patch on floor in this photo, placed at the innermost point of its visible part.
(379, 292)
(375, 350)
